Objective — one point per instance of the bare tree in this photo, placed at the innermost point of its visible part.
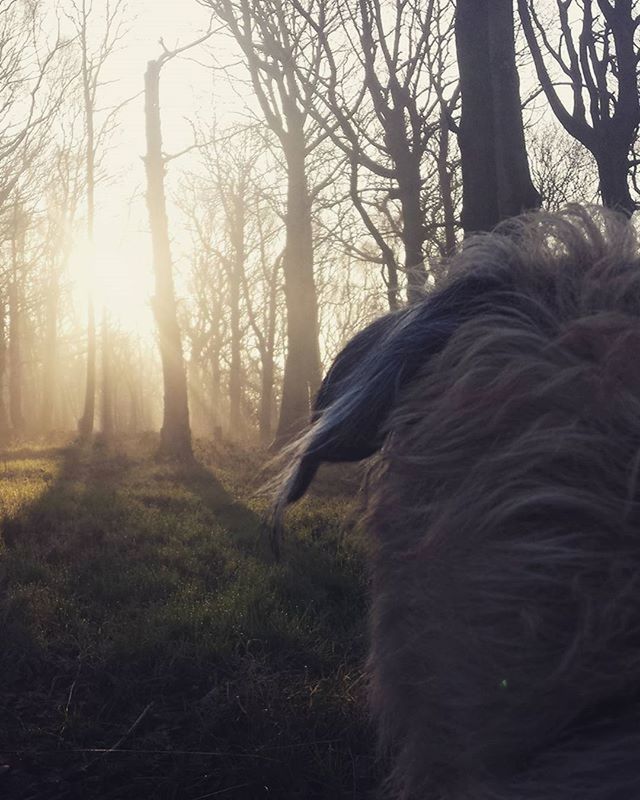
(385, 110)
(63, 195)
(29, 102)
(232, 209)
(595, 54)
(15, 319)
(175, 435)
(563, 170)
(92, 63)
(4, 417)
(495, 172)
(272, 37)
(107, 395)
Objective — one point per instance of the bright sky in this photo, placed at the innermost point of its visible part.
(123, 280)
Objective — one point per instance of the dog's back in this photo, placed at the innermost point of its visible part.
(505, 518)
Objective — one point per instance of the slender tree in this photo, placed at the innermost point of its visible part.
(107, 397)
(175, 435)
(15, 320)
(272, 37)
(382, 102)
(92, 63)
(4, 416)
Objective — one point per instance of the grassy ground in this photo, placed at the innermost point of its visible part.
(151, 647)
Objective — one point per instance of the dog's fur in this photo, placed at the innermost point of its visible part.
(504, 513)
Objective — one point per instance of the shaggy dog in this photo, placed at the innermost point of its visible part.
(504, 514)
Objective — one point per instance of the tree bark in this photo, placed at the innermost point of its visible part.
(444, 182)
(4, 418)
(50, 388)
(107, 423)
(175, 435)
(15, 361)
(495, 170)
(302, 365)
(413, 232)
(85, 424)
(612, 160)
(409, 179)
(235, 279)
(265, 416)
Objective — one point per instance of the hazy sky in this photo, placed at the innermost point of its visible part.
(123, 249)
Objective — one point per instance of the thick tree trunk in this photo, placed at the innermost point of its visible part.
(516, 192)
(302, 366)
(476, 135)
(495, 170)
(613, 174)
(175, 435)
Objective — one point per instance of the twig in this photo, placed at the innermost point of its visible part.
(222, 791)
(131, 729)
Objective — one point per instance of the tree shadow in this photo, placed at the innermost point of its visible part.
(248, 530)
(129, 665)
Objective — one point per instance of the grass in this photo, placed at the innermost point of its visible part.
(151, 646)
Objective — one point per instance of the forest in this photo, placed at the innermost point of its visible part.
(200, 204)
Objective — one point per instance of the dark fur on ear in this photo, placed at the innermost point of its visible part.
(356, 396)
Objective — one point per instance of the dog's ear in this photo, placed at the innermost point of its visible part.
(360, 389)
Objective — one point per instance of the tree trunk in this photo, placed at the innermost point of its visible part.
(302, 365)
(496, 182)
(175, 435)
(613, 175)
(444, 184)
(50, 388)
(107, 425)
(265, 414)
(413, 230)
(407, 167)
(265, 411)
(15, 361)
(235, 279)
(4, 419)
(85, 425)
(216, 391)
(516, 192)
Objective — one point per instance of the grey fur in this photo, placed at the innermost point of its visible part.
(504, 515)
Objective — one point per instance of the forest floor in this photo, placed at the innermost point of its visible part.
(151, 647)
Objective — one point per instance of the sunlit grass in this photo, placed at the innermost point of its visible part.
(129, 585)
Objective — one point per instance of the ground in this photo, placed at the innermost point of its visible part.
(153, 648)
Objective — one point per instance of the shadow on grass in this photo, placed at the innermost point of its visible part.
(153, 649)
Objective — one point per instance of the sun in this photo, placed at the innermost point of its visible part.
(116, 273)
